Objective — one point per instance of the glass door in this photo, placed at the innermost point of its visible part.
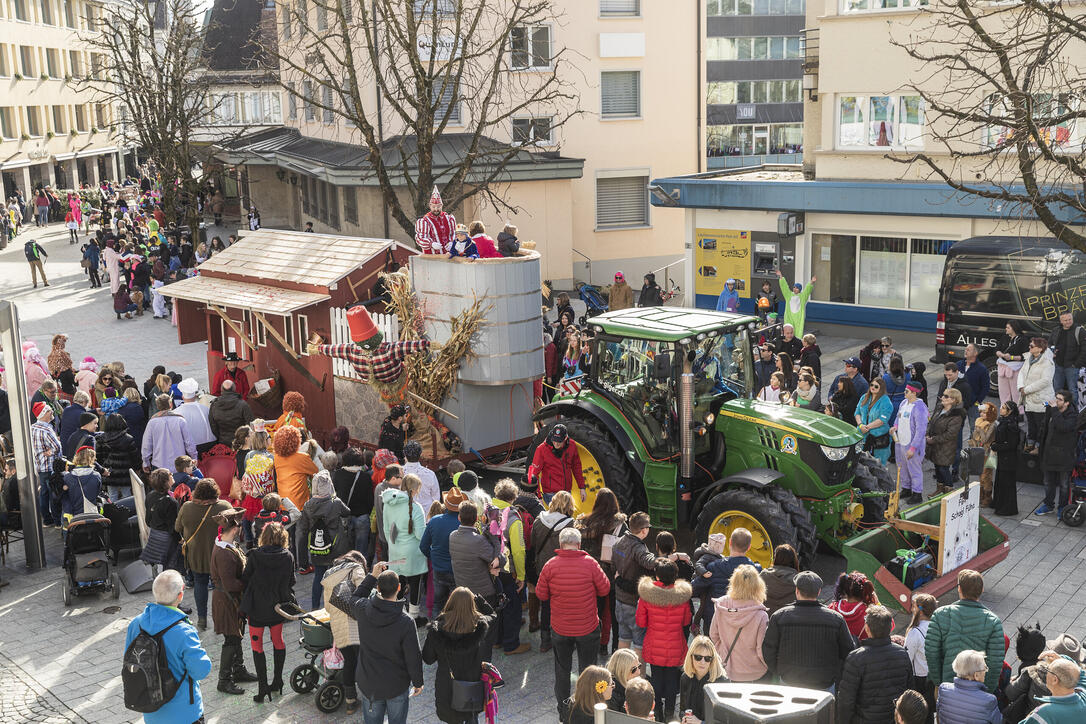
(761, 140)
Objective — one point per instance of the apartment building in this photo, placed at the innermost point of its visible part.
(874, 232)
(51, 133)
(754, 74)
(581, 192)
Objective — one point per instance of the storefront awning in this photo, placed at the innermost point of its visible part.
(242, 295)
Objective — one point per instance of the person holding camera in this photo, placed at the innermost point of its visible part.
(395, 429)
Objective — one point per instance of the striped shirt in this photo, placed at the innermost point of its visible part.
(385, 363)
(46, 444)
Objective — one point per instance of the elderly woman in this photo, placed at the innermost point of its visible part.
(350, 567)
(942, 437)
(197, 529)
(966, 701)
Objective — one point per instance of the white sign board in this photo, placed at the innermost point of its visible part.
(139, 496)
(961, 528)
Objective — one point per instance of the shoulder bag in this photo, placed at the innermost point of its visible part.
(468, 697)
(607, 543)
(185, 543)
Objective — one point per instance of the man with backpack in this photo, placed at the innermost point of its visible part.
(513, 525)
(164, 661)
(34, 254)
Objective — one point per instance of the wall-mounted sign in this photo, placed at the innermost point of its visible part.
(38, 154)
(790, 223)
(745, 111)
(722, 254)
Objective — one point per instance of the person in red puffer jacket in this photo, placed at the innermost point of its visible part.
(555, 464)
(664, 613)
(572, 581)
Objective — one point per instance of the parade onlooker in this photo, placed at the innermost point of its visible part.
(35, 254)
(764, 366)
(624, 665)
(983, 433)
(651, 294)
(1006, 445)
(844, 397)
(196, 415)
(163, 545)
(430, 492)
(739, 625)
(166, 437)
(185, 655)
(468, 482)
(69, 419)
(663, 611)
(943, 438)
(632, 560)
(1068, 345)
(910, 435)
(269, 580)
(923, 606)
(390, 660)
(964, 624)
(875, 673)
(873, 415)
(780, 585)
(474, 557)
(394, 428)
(1035, 386)
(910, 708)
(133, 414)
(324, 532)
(435, 545)
(728, 301)
(571, 582)
(595, 685)
(852, 596)
(807, 394)
(227, 413)
(83, 436)
(404, 522)
(852, 372)
(620, 295)
(810, 355)
(772, 391)
(227, 566)
(1059, 452)
(350, 567)
(600, 529)
(457, 642)
(640, 698)
(81, 486)
(1067, 682)
(47, 448)
(1011, 355)
(976, 376)
(965, 701)
(806, 643)
(512, 576)
(896, 380)
(717, 576)
(196, 526)
(544, 546)
(702, 666)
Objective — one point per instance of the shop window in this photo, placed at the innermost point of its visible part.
(622, 202)
(880, 121)
(833, 262)
(620, 93)
(754, 140)
(926, 260)
(883, 272)
(530, 47)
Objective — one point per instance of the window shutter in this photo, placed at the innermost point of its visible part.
(444, 102)
(622, 201)
(613, 8)
(621, 93)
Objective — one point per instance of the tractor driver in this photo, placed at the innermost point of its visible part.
(556, 465)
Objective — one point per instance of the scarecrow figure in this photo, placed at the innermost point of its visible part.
(434, 231)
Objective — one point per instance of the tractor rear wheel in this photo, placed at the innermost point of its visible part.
(773, 516)
(603, 464)
(873, 477)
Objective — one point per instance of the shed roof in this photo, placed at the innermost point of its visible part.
(242, 295)
(295, 256)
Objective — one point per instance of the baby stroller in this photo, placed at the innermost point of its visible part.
(593, 299)
(316, 639)
(86, 558)
(1074, 513)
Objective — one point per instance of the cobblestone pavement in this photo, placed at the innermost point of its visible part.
(64, 663)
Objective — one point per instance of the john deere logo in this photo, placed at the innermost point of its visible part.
(789, 444)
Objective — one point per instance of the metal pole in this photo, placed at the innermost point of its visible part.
(19, 405)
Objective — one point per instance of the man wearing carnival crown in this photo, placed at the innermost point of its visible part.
(434, 231)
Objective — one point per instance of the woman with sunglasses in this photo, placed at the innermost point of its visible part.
(873, 420)
(942, 437)
(702, 666)
(624, 665)
(739, 624)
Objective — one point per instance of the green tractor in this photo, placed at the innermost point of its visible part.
(666, 418)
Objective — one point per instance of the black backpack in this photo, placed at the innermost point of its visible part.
(145, 674)
(322, 538)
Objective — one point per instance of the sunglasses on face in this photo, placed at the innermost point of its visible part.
(886, 346)
(635, 669)
(705, 659)
(946, 397)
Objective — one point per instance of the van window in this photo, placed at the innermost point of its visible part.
(992, 293)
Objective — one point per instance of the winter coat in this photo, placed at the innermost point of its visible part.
(227, 413)
(360, 501)
(185, 657)
(1060, 448)
(763, 371)
(722, 571)
(651, 296)
(780, 591)
(691, 693)
(471, 555)
(855, 615)
(737, 632)
(966, 702)
(1072, 351)
(399, 514)
(79, 484)
(1035, 382)
(458, 656)
(161, 511)
(329, 514)
(874, 676)
(389, 656)
(269, 580)
(572, 581)
(943, 429)
(1025, 691)
(978, 379)
(435, 541)
(558, 468)
(165, 439)
(79, 438)
(811, 357)
(620, 296)
(344, 629)
(227, 567)
(544, 541)
(956, 627)
(69, 420)
(118, 452)
(806, 644)
(632, 559)
(663, 611)
(846, 404)
(962, 386)
(508, 244)
(199, 531)
(133, 414)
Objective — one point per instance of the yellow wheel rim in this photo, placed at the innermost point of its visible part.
(761, 546)
(593, 479)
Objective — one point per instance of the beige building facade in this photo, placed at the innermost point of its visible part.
(50, 132)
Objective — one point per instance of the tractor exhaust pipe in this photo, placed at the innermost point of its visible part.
(686, 442)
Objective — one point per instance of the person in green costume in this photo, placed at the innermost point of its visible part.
(795, 303)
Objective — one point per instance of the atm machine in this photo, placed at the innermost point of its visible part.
(765, 261)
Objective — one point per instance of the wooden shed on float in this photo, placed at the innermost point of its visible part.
(263, 296)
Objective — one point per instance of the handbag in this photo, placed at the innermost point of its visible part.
(468, 697)
(341, 596)
(332, 659)
(607, 543)
(877, 443)
(235, 488)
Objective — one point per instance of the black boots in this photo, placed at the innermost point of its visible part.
(279, 656)
(261, 663)
(231, 655)
(239, 673)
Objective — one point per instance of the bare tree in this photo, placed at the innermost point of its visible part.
(402, 72)
(1006, 105)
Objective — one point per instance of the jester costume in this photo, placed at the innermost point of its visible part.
(434, 231)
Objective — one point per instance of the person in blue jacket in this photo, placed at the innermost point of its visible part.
(896, 380)
(185, 656)
(873, 420)
(463, 244)
(728, 301)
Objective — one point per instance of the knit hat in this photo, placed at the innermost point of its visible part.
(39, 409)
(322, 485)
(89, 363)
(717, 542)
(914, 387)
(86, 418)
(467, 481)
(452, 499)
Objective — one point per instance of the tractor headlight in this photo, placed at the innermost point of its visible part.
(834, 454)
(859, 447)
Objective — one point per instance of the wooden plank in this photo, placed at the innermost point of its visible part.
(911, 526)
(942, 526)
(230, 323)
(278, 337)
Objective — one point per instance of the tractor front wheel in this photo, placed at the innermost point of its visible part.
(772, 515)
(873, 477)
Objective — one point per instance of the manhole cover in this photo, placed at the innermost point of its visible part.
(111, 609)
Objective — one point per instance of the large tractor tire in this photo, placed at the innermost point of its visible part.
(773, 516)
(873, 477)
(602, 462)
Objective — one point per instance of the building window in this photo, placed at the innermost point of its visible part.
(5, 68)
(321, 200)
(754, 140)
(75, 61)
(288, 21)
(7, 122)
(446, 105)
(96, 66)
(310, 109)
(92, 17)
(303, 333)
(47, 12)
(292, 101)
(69, 14)
(322, 17)
(329, 114)
(622, 202)
(532, 130)
(81, 118)
(26, 61)
(350, 204)
(530, 47)
(833, 259)
(52, 62)
(21, 10)
(60, 120)
(438, 8)
(1045, 109)
(880, 121)
(620, 8)
(100, 117)
(774, 47)
(348, 11)
(858, 6)
(754, 7)
(305, 197)
(755, 91)
(620, 93)
(33, 121)
(333, 206)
